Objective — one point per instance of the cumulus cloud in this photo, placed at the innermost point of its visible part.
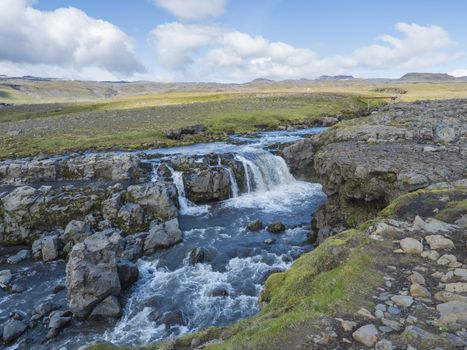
(459, 73)
(193, 9)
(66, 38)
(217, 53)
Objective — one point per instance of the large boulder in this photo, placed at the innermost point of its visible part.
(212, 184)
(159, 200)
(76, 231)
(162, 236)
(92, 272)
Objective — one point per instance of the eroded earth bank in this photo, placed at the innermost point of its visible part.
(133, 248)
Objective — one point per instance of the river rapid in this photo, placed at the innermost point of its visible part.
(173, 296)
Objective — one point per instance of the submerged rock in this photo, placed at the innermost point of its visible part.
(255, 225)
(277, 227)
(12, 330)
(198, 255)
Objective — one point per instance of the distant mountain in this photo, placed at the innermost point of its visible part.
(335, 77)
(262, 81)
(462, 78)
(422, 77)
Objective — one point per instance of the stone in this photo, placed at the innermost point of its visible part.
(5, 277)
(23, 254)
(444, 133)
(19, 198)
(418, 333)
(218, 292)
(458, 287)
(50, 248)
(418, 291)
(439, 242)
(402, 300)
(130, 217)
(391, 324)
(76, 231)
(446, 259)
(366, 335)
(432, 225)
(12, 330)
(445, 296)
(411, 246)
(128, 273)
(277, 227)
(453, 312)
(255, 225)
(44, 309)
(198, 255)
(59, 319)
(461, 274)
(462, 222)
(173, 318)
(162, 236)
(416, 277)
(347, 326)
(91, 276)
(108, 308)
(432, 255)
(384, 345)
(111, 206)
(365, 313)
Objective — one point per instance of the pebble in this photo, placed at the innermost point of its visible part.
(402, 300)
(411, 246)
(439, 242)
(416, 277)
(432, 255)
(446, 259)
(419, 291)
(366, 335)
(365, 313)
(394, 310)
(458, 287)
(391, 324)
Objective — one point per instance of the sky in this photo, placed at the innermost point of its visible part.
(231, 40)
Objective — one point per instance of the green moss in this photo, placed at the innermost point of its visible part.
(453, 211)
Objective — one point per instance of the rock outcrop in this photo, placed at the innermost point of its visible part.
(110, 166)
(363, 164)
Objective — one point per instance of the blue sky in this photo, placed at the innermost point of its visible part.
(231, 40)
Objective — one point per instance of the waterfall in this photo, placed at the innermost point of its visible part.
(233, 183)
(154, 174)
(263, 170)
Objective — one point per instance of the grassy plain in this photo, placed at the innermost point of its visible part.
(43, 119)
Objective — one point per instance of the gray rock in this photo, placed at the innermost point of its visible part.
(418, 291)
(128, 273)
(91, 276)
(131, 218)
(111, 206)
(439, 242)
(46, 308)
(12, 330)
(256, 225)
(76, 231)
(411, 246)
(108, 308)
(59, 319)
(50, 248)
(5, 277)
(402, 300)
(20, 197)
(162, 236)
(299, 157)
(366, 335)
(23, 254)
(444, 133)
(208, 185)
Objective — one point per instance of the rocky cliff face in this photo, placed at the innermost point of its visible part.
(365, 163)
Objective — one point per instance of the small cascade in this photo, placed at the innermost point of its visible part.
(263, 170)
(233, 183)
(155, 170)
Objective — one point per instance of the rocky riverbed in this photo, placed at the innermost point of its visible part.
(138, 247)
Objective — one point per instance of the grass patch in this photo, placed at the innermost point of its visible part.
(337, 277)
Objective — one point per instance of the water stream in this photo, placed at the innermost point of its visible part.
(174, 297)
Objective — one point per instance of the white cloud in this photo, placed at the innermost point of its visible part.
(420, 46)
(66, 39)
(201, 52)
(459, 73)
(193, 9)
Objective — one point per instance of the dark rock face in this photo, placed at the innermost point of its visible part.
(364, 164)
(199, 256)
(12, 330)
(299, 157)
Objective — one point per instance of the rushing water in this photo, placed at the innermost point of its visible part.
(173, 297)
